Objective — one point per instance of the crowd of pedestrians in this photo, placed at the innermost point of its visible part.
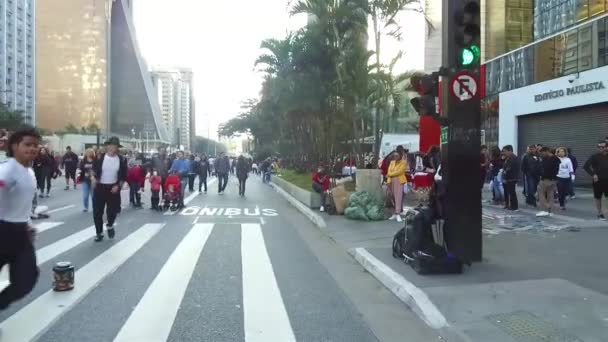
(547, 174)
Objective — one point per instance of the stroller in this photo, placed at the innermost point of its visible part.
(172, 193)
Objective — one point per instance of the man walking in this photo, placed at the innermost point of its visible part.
(109, 176)
(181, 165)
(548, 181)
(17, 188)
(222, 168)
(597, 167)
(69, 163)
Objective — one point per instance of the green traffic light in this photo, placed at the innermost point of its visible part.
(470, 55)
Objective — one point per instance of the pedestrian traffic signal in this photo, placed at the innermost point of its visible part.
(467, 34)
(427, 87)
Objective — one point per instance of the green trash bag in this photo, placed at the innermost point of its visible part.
(360, 199)
(375, 213)
(356, 213)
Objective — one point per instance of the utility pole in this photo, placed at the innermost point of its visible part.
(461, 119)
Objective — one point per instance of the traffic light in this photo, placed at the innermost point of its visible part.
(427, 87)
(467, 33)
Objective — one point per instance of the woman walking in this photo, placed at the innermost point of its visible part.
(44, 168)
(242, 172)
(397, 179)
(86, 166)
(564, 176)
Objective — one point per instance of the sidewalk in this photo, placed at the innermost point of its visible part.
(539, 276)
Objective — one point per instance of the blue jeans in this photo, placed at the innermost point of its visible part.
(531, 188)
(497, 189)
(86, 194)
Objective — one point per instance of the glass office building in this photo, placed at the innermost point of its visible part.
(552, 90)
(90, 71)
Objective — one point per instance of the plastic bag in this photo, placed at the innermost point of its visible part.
(356, 213)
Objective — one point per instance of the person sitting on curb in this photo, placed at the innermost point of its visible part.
(320, 184)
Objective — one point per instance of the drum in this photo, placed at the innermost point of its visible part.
(63, 276)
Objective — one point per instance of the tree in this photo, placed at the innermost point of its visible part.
(71, 129)
(208, 146)
(384, 21)
(10, 119)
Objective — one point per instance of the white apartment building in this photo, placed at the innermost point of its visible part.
(17, 58)
(174, 90)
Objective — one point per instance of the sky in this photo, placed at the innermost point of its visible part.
(220, 41)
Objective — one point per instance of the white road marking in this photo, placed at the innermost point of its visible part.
(262, 221)
(61, 209)
(265, 316)
(44, 226)
(50, 306)
(153, 316)
(51, 251)
(195, 220)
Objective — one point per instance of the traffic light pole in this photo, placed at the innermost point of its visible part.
(461, 151)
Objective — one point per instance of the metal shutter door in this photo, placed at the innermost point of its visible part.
(579, 128)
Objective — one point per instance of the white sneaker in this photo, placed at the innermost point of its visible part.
(399, 219)
(392, 218)
(322, 209)
(543, 214)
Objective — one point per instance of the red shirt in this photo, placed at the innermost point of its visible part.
(321, 179)
(155, 182)
(135, 175)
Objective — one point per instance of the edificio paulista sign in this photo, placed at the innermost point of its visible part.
(554, 94)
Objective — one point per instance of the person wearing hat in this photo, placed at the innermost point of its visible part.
(108, 176)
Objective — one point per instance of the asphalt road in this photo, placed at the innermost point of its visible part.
(223, 269)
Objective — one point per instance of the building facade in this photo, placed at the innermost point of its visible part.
(553, 90)
(90, 71)
(433, 43)
(17, 57)
(174, 89)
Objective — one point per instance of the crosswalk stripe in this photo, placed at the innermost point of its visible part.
(61, 209)
(49, 252)
(44, 226)
(155, 313)
(265, 316)
(33, 319)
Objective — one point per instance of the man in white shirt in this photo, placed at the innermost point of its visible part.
(17, 188)
(108, 178)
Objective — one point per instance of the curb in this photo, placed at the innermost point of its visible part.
(315, 218)
(412, 296)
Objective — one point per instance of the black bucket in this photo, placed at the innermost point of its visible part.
(63, 276)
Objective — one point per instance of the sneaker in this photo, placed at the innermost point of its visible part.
(67, 187)
(322, 209)
(98, 238)
(601, 217)
(572, 197)
(543, 214)
(85, 210)
(392, 218)
(111, 232)
(563, 208)
(399, 219)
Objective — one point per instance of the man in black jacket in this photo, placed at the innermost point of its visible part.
(531, 167)
(548, 180)
(597, 167)
(510, 177)
(109, 175)
(69, 163)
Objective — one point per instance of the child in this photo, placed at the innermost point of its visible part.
(155, 185)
